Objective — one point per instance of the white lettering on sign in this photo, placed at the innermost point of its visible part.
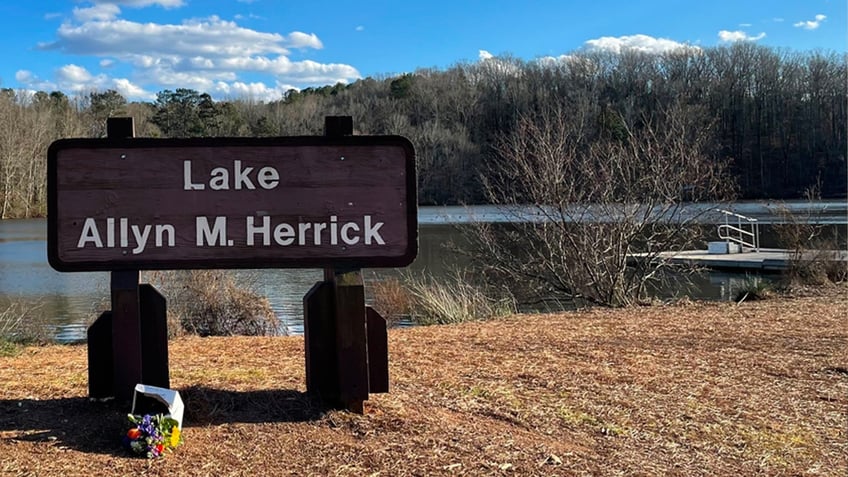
(313, 233)
(212, 232)
(217, 235)
(163, 234)
(267, 177)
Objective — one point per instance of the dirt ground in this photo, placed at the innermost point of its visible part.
(686, 389)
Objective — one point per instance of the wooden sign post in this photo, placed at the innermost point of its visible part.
(128, 344)
(346, 342)
(338, 202)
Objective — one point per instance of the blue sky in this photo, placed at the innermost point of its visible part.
(261, 48)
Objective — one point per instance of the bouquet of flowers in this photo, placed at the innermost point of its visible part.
(152, 435)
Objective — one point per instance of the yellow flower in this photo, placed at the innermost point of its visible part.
(175, 437)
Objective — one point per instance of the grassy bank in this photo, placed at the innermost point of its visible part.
(693, 389)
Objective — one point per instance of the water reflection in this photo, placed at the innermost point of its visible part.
(70, 300)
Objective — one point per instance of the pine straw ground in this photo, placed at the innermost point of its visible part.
(691, 389)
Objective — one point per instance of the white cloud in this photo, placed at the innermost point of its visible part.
(32, 82)
(142, 3)
(130, 90)
(254, 91)
(25, 76)
(206, 54)
(122, 38)
(641, 43)
(77, 80)
(811, 24)
(484, 55)
(105, 11)
(299, 39)
(73, 74)
(745, 25)
(733, 36)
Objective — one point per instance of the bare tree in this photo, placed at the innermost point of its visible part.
(25, 132)
(584, 200)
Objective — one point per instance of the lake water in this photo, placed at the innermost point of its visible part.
(69, 301)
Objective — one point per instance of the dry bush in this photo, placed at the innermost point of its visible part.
(816, 267)
(10, 321)
(214, 303)
(453, 300)
(391, 299)
(19, 324)
(814, 254)
(754, 288)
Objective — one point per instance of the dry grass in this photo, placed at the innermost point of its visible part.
(392, 298)
(694, 389)
(452, 301)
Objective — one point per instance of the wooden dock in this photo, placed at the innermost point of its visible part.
(765, 260)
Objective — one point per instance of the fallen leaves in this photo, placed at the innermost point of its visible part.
(691, 389)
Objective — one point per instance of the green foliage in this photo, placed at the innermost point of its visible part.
(106, 104)
(8, 348)
(401, 87)
(294, 95)
(180, 113)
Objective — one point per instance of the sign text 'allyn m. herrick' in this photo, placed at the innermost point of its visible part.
(231, 203)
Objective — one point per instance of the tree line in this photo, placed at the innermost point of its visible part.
(776, 117)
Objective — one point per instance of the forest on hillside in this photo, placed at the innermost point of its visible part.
(776, 118)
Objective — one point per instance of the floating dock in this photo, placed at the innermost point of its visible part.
(765, 260)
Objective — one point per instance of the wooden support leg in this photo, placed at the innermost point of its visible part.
(351, 338)
(336, 347)
(154, 337)
(378, 352)
(319, 316)
(100, 365)
(126, 333)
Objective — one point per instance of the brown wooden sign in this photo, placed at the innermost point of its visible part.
(231, 203)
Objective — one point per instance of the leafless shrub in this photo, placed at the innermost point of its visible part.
(19, 323)
(214, 303)
(391, 299)
(597, 190)
(814, 254)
